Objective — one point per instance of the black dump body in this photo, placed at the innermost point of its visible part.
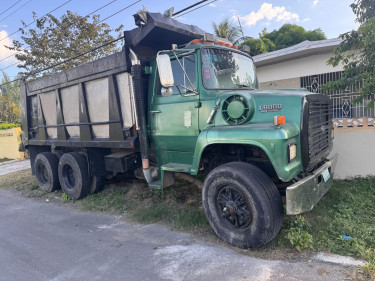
(158, 32)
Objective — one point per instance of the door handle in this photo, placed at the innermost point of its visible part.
(155, 111)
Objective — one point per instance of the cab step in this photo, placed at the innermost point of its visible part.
(176, 167)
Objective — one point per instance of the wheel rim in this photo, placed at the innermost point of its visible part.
(233, 207)
(43, 173)
(68, 176)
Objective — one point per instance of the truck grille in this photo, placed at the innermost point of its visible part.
(316, 137)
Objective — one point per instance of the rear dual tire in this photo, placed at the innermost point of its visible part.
(45, 167)
(68, 171)
(73, 175)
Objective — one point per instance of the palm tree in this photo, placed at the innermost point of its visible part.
(225, 29)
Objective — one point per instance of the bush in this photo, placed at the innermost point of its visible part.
(6, 126)
(298, 234)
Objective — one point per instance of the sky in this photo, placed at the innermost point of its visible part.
(334, 17)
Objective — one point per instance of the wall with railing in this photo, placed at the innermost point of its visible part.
(354, 126)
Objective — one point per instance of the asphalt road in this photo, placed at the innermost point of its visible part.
(42, 241)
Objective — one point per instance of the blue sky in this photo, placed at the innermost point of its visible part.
(332, 16)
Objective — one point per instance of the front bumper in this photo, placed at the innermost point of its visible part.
(303, 195)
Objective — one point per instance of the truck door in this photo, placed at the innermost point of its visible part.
(174, 119)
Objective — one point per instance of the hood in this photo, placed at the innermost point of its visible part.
(260, 106)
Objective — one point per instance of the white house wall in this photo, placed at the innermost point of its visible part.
(305, 66)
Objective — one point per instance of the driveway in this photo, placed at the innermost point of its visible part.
(43, 241)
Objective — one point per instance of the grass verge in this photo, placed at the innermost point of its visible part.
(4, 160)
(180, 205)
(347, 209)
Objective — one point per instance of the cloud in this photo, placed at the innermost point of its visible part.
(306, 19)
(267, 11)
(315, 2)
(4, 52)
(212, 5)
(233, 11)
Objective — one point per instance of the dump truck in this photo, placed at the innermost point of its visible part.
(178, 101)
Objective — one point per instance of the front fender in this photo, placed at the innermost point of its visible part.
(273, 140)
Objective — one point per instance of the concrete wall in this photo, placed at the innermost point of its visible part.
(355, 147)
(9, 143)
(309, 65)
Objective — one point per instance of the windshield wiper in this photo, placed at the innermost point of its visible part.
(244, 86)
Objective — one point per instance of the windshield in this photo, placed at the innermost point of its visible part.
(224, 69)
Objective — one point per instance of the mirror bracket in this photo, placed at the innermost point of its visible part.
(166, 92)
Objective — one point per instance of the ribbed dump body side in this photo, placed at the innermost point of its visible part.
(91, 105)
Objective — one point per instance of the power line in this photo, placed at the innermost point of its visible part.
(189, 7)
(80, 55)
(109, 3)
(196, 9)
(102, 7)
(10, 65)
(10, 7)
(37, 19)
(120, 10)
(19, 8)
(8, 56)
(65, 61)
(85, 53)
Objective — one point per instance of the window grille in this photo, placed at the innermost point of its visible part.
(343, 102)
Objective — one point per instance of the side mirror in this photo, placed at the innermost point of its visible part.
(165, 70)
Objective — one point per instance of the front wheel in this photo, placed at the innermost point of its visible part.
(242, 205)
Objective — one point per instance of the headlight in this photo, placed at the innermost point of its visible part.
(292, 152)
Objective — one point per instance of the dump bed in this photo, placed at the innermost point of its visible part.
(91, 105)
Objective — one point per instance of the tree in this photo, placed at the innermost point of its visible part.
(259, 46)
(9, 100)
(227, 30)
(356, 53)
(292, 34)
(55, 40)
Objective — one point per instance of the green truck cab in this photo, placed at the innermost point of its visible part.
(192, 109)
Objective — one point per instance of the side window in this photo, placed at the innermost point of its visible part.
(180, 78)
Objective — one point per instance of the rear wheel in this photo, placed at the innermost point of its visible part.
(73, 175)
(242, 205)
(97, 184)
(45, 167)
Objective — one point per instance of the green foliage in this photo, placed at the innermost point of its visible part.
(286, 36)
(349, 209)
(9, 100)
(292, 34)
(55, 40)
(225, 29)
(356, 53)
(64, 198)
(258, 46)
(298, 234)
(6, 126)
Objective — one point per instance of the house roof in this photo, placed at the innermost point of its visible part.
(302, 49)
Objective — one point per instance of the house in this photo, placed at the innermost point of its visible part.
(305, 66)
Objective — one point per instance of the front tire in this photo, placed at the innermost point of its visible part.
(73, 175)
(242, 205)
